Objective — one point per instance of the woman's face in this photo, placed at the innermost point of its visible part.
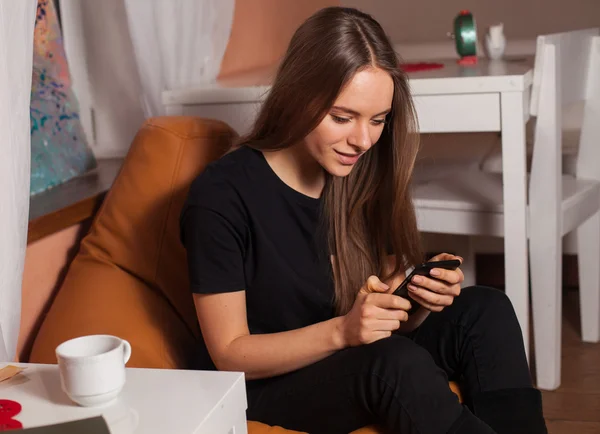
(354, 123)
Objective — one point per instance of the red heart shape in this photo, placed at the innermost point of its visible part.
(9, 408)
(10, 424)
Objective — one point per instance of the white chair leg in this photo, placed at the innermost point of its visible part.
(464, 248)
(588, 257)
(545, 253)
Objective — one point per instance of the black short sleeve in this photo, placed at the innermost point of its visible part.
(215, 251)
(244, 229)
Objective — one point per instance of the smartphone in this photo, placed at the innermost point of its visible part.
(423, 270)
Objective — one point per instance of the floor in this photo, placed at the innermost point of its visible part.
(574, 408)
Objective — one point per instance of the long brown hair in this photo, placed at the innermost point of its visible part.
(369, 214)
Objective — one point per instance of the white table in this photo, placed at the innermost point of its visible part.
(491, 96)
(153, 401)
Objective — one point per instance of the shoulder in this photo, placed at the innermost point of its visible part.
(222, 179)
(222, 185)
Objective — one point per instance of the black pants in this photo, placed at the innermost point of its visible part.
(401, 382)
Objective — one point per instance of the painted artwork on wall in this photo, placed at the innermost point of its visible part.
(59, 149)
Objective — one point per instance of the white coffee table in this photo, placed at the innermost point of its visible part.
(153, 401)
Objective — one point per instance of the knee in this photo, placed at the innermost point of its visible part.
(396, 357)
(487, 303)
(399, 370)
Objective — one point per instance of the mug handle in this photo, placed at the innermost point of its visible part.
(126, 351)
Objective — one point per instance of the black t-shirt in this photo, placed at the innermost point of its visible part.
(245, 229)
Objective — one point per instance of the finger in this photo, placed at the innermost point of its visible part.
(388, 301)
(445, 257)
(431, 298)
(373, 334)
(425, 304)
(376, 285)
(450, 276)
(394, 314)
(387, 325)
(437, 286)
(434, 285)
(462, 276)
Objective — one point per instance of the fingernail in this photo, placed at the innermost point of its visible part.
(417, 279)
(412, 287)
(384, 286)
(435, 272)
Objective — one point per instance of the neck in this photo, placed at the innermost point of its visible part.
(298, 169)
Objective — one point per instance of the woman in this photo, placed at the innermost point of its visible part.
(296, 240)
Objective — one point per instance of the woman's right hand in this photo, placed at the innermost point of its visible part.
(374, 315)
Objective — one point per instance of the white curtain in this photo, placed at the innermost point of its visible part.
(177, 44)
(17, 20)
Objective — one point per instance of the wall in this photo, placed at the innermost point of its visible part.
(429, 20)
(262, 29)
(46, 263)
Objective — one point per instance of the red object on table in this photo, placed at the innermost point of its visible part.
(420, 66)
(468, 60)
(9, 409)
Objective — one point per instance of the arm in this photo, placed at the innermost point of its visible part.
(374, 315)
(233, 348)
(215, 247)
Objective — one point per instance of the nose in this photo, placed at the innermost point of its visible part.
(360, 137)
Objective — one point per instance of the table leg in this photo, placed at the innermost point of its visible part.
(514, 172)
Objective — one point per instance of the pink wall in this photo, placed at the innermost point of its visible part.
(46, 262)
(262, 30)
(429, 20)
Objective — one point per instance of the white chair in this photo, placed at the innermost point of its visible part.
(469, 201)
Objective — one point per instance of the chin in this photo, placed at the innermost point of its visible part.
(339, 170)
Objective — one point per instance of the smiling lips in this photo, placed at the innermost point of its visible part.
(347, 159)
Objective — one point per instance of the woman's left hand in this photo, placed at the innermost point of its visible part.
(438, 291)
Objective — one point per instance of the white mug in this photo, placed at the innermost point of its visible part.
(92, 368)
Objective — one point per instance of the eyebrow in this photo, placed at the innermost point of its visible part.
(355, 113)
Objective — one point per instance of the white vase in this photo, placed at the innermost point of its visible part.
(495, 42)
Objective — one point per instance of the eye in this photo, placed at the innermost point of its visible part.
(378, 121)
(340, 120)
